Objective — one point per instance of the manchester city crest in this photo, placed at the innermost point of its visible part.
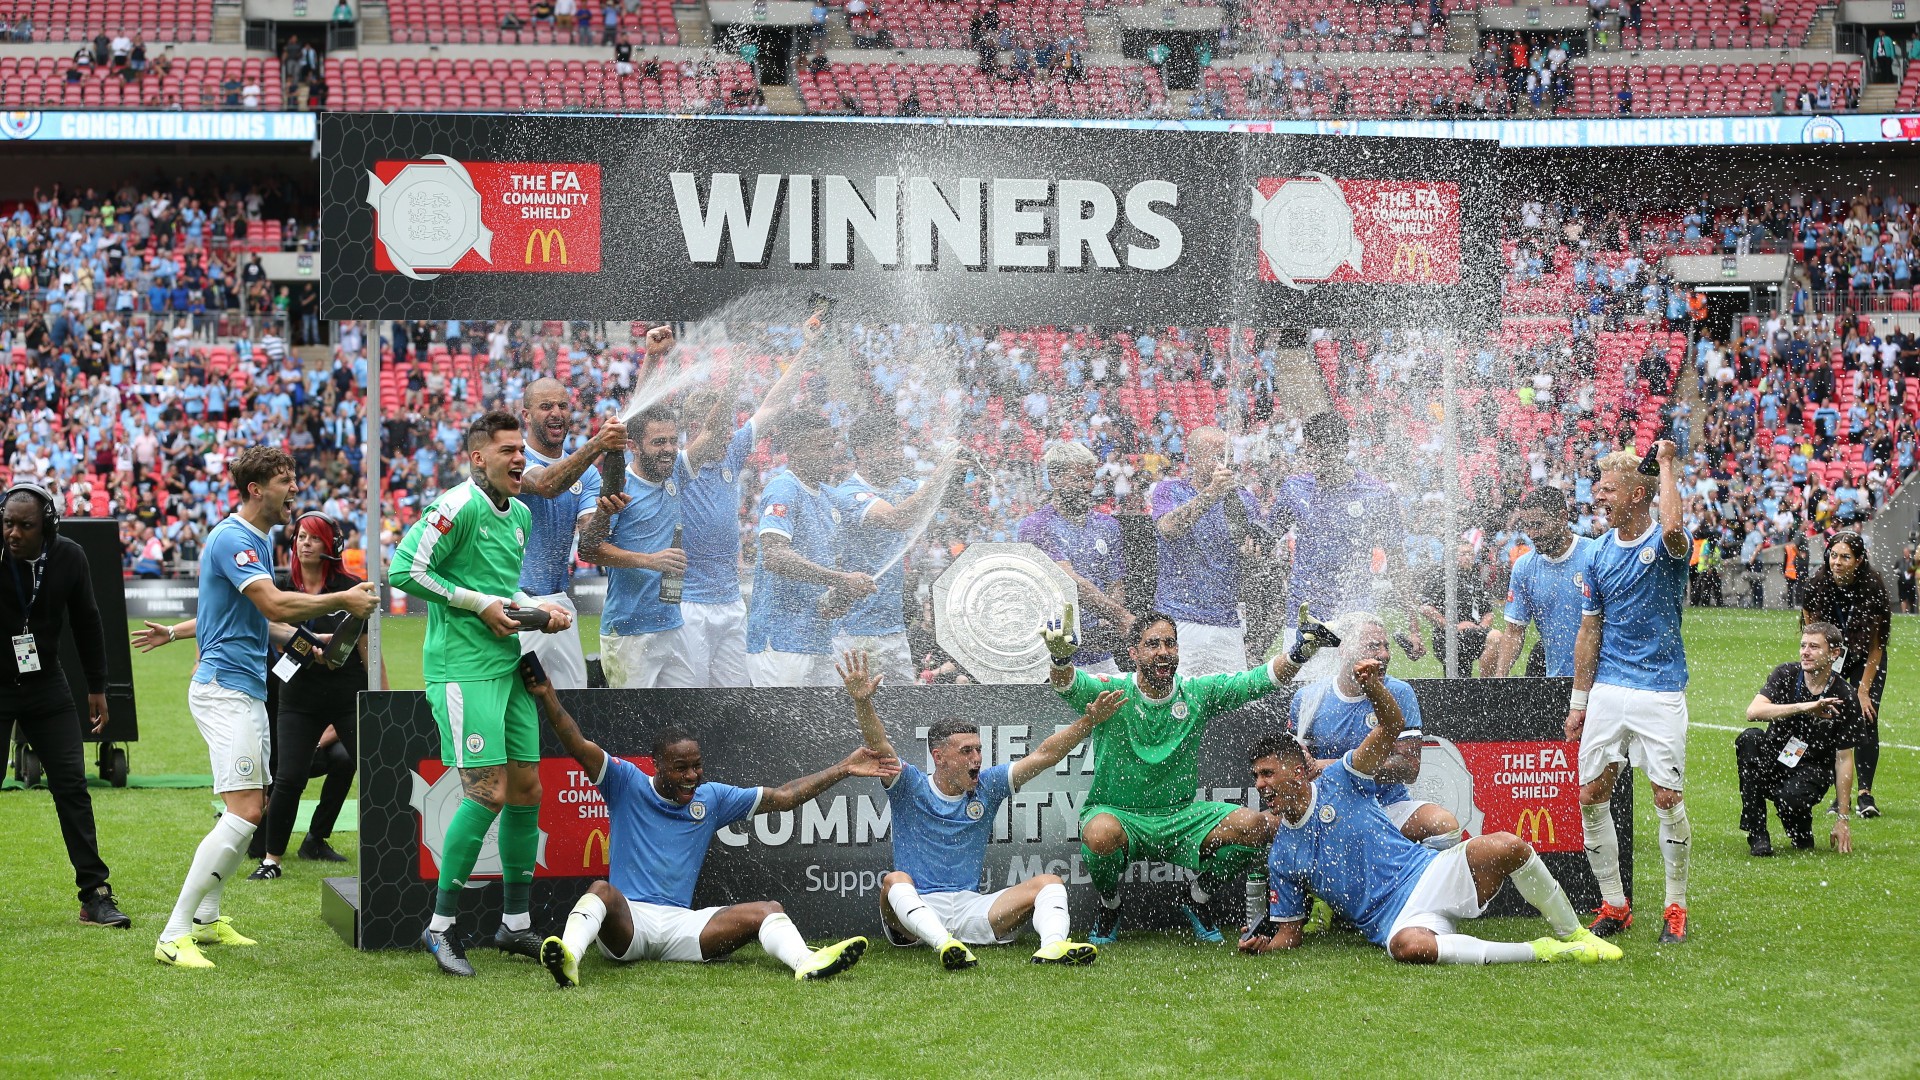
(697, 810)
(975, 811)
(1327, 814)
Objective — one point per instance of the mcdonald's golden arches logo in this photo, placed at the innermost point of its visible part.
(1410, 261)
(586, 851)
(549, 239)
(1529, 823)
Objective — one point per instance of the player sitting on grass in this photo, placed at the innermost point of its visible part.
(659, 830)
(1146, 765)
(941, 825)
(1335, 841)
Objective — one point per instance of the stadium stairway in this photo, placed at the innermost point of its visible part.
(376, 27)
(1820, 32)
(229, 23)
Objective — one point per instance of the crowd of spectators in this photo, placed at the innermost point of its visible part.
(1806, 418)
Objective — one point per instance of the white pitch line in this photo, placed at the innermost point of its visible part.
(1723, 727)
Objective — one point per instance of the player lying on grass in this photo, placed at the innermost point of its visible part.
(659, 830)
(1146, 765)
(941, 825)
(1334, 840)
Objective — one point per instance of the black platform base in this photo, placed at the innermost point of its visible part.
(340, 907)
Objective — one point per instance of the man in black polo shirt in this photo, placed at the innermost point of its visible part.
(1814, 722)
(44, 582)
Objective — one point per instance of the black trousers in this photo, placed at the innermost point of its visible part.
(1866, 756)
(1793, 791)
(297, 759)
(48, 721)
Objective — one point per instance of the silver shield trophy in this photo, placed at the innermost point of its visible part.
(989, 606)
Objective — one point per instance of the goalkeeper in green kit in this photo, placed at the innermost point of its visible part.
(463, 558)
(1146, 765)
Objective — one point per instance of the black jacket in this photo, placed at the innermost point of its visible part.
(65, 592)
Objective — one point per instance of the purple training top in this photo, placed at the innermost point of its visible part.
(1334, 534)
(1198, 572)
(1093, 550)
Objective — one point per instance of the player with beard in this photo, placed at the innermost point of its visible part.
(463, 557)
(228, 696)
(660, 829)
(1086, 544)
(941, 825)
(559, 489)
(880, 506)
(1545, 588)
(1334, 841)
(631, 534)
(1146, 765)
(1339, 515)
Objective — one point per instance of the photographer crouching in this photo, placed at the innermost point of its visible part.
(1814, 722)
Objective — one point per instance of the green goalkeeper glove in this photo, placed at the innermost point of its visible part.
(1062, 642)
(1312, 638)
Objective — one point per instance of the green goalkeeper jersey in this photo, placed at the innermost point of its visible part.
(1147, 757)
(463, 541)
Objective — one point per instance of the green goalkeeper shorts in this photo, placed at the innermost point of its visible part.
(485, 721)
(1173, 835)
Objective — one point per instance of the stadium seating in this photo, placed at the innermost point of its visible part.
(440, 22)
(1353, 26)
(961, 89)
(1718, 24)
(196, 83)
(943, 24)
(538, 83)
(159, 21)
(1694, 89)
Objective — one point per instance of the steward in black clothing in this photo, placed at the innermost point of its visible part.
(45, 582)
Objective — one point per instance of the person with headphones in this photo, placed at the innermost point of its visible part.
(52, 584)
(1849, 593)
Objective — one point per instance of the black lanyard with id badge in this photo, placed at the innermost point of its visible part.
(26, 652)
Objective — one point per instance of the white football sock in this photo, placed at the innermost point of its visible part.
(1109, 901)
(1603, 851)
(440, 924)
(583, 924)
(916, 916)
(1050, 914)
(1676, 850)
(1537, 885)
(1461, 949)
(213, 862)
(521, 921)
(209, 907)
(782, 940)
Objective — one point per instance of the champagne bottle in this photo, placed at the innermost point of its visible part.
(345, 637)
(671, 583)
(613, 472)
(1257, 898)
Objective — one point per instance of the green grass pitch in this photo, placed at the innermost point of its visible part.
(1795, 966)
